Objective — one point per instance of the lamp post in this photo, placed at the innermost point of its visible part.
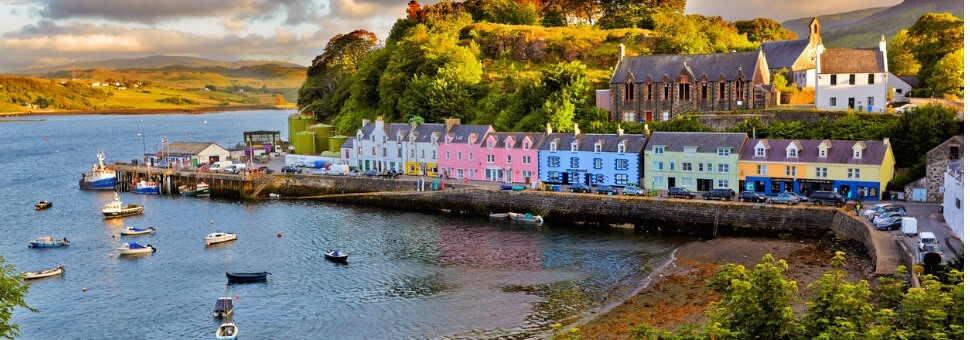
(144, 151)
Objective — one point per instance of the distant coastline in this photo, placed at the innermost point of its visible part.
(193, 110)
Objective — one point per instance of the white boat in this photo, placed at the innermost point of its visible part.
(527, 218)
(228, 331)
(499, 215)
(219, 237)
(275, 196)
(137, 231)
(44, 273)
(132, 248)
(116, 209)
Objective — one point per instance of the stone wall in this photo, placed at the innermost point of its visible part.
(314, 185)
(937, 165)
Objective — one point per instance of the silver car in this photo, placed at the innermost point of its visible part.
(784, 198)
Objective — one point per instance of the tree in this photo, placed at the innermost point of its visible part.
(340, 59)
(921, 129)
(12, 292)
(838, 309)
(947, 75)
(900, 55)
(933, 36)
(509, 12)
(763, 29)
(278, 100)
(755, 303)
(636, 13)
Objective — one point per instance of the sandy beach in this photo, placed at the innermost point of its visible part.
(676, 295)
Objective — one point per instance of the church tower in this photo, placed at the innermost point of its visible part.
(814, 32)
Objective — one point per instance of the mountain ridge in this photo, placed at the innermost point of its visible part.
(154, 62)
(863, 28)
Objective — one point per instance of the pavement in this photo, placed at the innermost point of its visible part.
(928, 218)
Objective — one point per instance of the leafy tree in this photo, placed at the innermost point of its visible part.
(756, 303)
(947, 74)
(763, 29)
(933, 36)
(838, 309)
(636, 13)
(921, 129)
(682, 123)
(693, 34)
(340, 59)
(12, 292)
(279, 100)
(509, 12)
(902, 61)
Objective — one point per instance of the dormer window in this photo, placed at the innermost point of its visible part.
(822, 153)
(447, 141)
(526, 145)
(759, 151)
(491, 144)
(658, 150)
(792, 153)
(856, 154)
(574, 146)
(621, 148)
(723, 152)
(508, 145)
(598, 147)
(690, 151)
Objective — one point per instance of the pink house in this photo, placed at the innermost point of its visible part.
(511, 157)
(460, 156)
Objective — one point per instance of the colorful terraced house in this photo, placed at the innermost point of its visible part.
(855, 169)
(511, 157)
(698, 161)
(461, 155)
(615, 160)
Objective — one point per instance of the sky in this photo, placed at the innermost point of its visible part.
(35, 33)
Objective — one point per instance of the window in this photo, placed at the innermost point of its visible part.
(686, 167)
(597, 147)
(739, 90)
(721, 91)
(553, 145)
(490, 158)
(857, 154)
(574, 177)
(704, 91)
(574, 162)
(384, 152)
(666, 92)
(690, 151)
(658, 150)
(434, 154)
(870, 100)
(793, 153)
(853, 173)
(554, 162)
(658, 165)
(526, 145)
(471, 173)
(412, 153)
(790, 170)
(649, 91)
(620, 179)
(722, 183)
(658, 180)
(723, 168)
(526, 159)
(685, 182)
(821, 172)
(851, 79)
(630, 116)
(621, 148)
(461, 173)
(508, 159)
(459, 156)
(526, 174)
(872, 78)
(491, 145)
(575, 146)
(832, 101)
(700, 167)
(360, 150)
(723, 152)
(597, 163)
(622, 164)
(399, 152)
(957, 203)
(553, 176)
(599, 179)
(629, 93)
(759, 151)
(762, 169)
(683, 91)
(823, 152)
(470, 156)
(710, 167)
(832, 80)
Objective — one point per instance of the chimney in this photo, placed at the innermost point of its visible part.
(619, 130)
(364, 122)
(548, 129)
(450, 123)
(575, 129)
(621, 54)
(380, 118)
(646, 130)
(414, 125)
(885, 141)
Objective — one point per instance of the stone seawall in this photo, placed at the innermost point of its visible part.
(311, 185)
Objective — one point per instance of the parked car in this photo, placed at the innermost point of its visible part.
(680, 193)
(264, 169)
(371, 173)
(893, 223)
(876, 209)
(784, 198)
(891, 208)
(580, 187)
(827, 198)
(719, 194)
(289, 169)
(904, 108)
(751, 196)
(886, 216)
(925, 238)
(319, 171)
(801, 198)
(605, 189)
(632, 190)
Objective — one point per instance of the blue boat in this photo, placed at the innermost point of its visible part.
(99, 178)
(246, 277)
(505, 187)
(336, 256)
(48, 242)
(146, 188)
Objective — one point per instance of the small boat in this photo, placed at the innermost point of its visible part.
(201, 190)
(137, 231)
(223, 307)
(100, 177)
(146, 187)
(336, 256)
(219, 237)
(132, 248)
(48, 242)
(227, 331)
(527, 218)
(44, 273)
(499, 215)
(43, 205)
(505, 187)
(275, 196)
(246, 277)
(518, 187)
(115, 209)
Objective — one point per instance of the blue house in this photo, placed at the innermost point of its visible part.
(614, 159)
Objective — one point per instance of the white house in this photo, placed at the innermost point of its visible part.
(380, 146)
(421, 149)
(852, 78)
(899, 86)
(953, 198)
(348, 153)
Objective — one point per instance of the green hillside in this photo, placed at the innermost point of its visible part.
(153, 62)
(830, 21)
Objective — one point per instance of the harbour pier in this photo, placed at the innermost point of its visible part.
(221, 184)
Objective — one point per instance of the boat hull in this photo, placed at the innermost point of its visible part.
(145, 190)
(246, 277)
(43, 205)
(54, 244)
(122, 251)
(99, 184)
(137, 232)
(227, 331)
(43, 273)
(221, 239)
(337, 259)
(123, 212)
(197, 193)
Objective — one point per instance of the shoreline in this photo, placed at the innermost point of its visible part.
(194, 110)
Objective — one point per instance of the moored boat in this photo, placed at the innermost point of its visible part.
(518, 187)
(99, 178)
(43, 273)
(146, 187)
(223, 307)
(527, 218)
(201, 190)
(48, 242)
(499, 215)
(137, 231)
(335, 255)
(227, 331)
(43, 205)
(133, 248)
(505, 187)
(116, 209)
(219, 237)
(246, 277)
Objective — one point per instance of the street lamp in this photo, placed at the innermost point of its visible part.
(144, 151)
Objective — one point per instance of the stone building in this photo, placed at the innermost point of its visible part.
(798, 56)
(660, 87)
(938, 160)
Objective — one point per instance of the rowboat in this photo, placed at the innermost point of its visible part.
(132, 248)
(227, 331)
(43, 205)
(336, 256)
(527, 218)
(499, 215)
(246, 277)
(48, 242)
(219, 237)
(44, 273)
(137, 231)
(223, 307)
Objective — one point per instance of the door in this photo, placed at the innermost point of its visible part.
(671, 182)
(704, 184)
(919, 195)
(213, 159)
(565, 177)
(852, 103)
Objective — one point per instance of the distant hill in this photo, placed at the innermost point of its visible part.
(155, 62)
(863, 28)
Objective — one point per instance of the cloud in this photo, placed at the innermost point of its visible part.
(152, 12)
(779, 11)
(362, 9)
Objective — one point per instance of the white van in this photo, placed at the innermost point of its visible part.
(338, 170)
(908, 226)
(926, 237)
(219, 166)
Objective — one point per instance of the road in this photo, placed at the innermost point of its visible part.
(930, 219)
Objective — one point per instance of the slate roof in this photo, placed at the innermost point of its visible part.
(840, 153)
(713, 65)
(367, 130)
(783, 53)
(707, 142)
(186, 148)
(587, 142)
(348, 144)
(462, 132)
(500, 138)
(851, 60)
(426, 130)
(393, 129)
(563, 140)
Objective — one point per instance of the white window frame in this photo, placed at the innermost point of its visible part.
(690, 151)
(686, 181)
(574, 146)
(759, 152)
(658, 180)
(723, 168)
(658, 150)
(762, 169)
(722, 184)
(597, 147)
(526, 160)
(792, 153)
(489, 159)
(723, 152)
(821, 172)
(657, 165)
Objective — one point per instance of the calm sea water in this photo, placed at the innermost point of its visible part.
(410, 275)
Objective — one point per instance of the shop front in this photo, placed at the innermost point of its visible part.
(808, 186)
(866, 191)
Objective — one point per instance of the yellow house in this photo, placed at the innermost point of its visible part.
(855, 169)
